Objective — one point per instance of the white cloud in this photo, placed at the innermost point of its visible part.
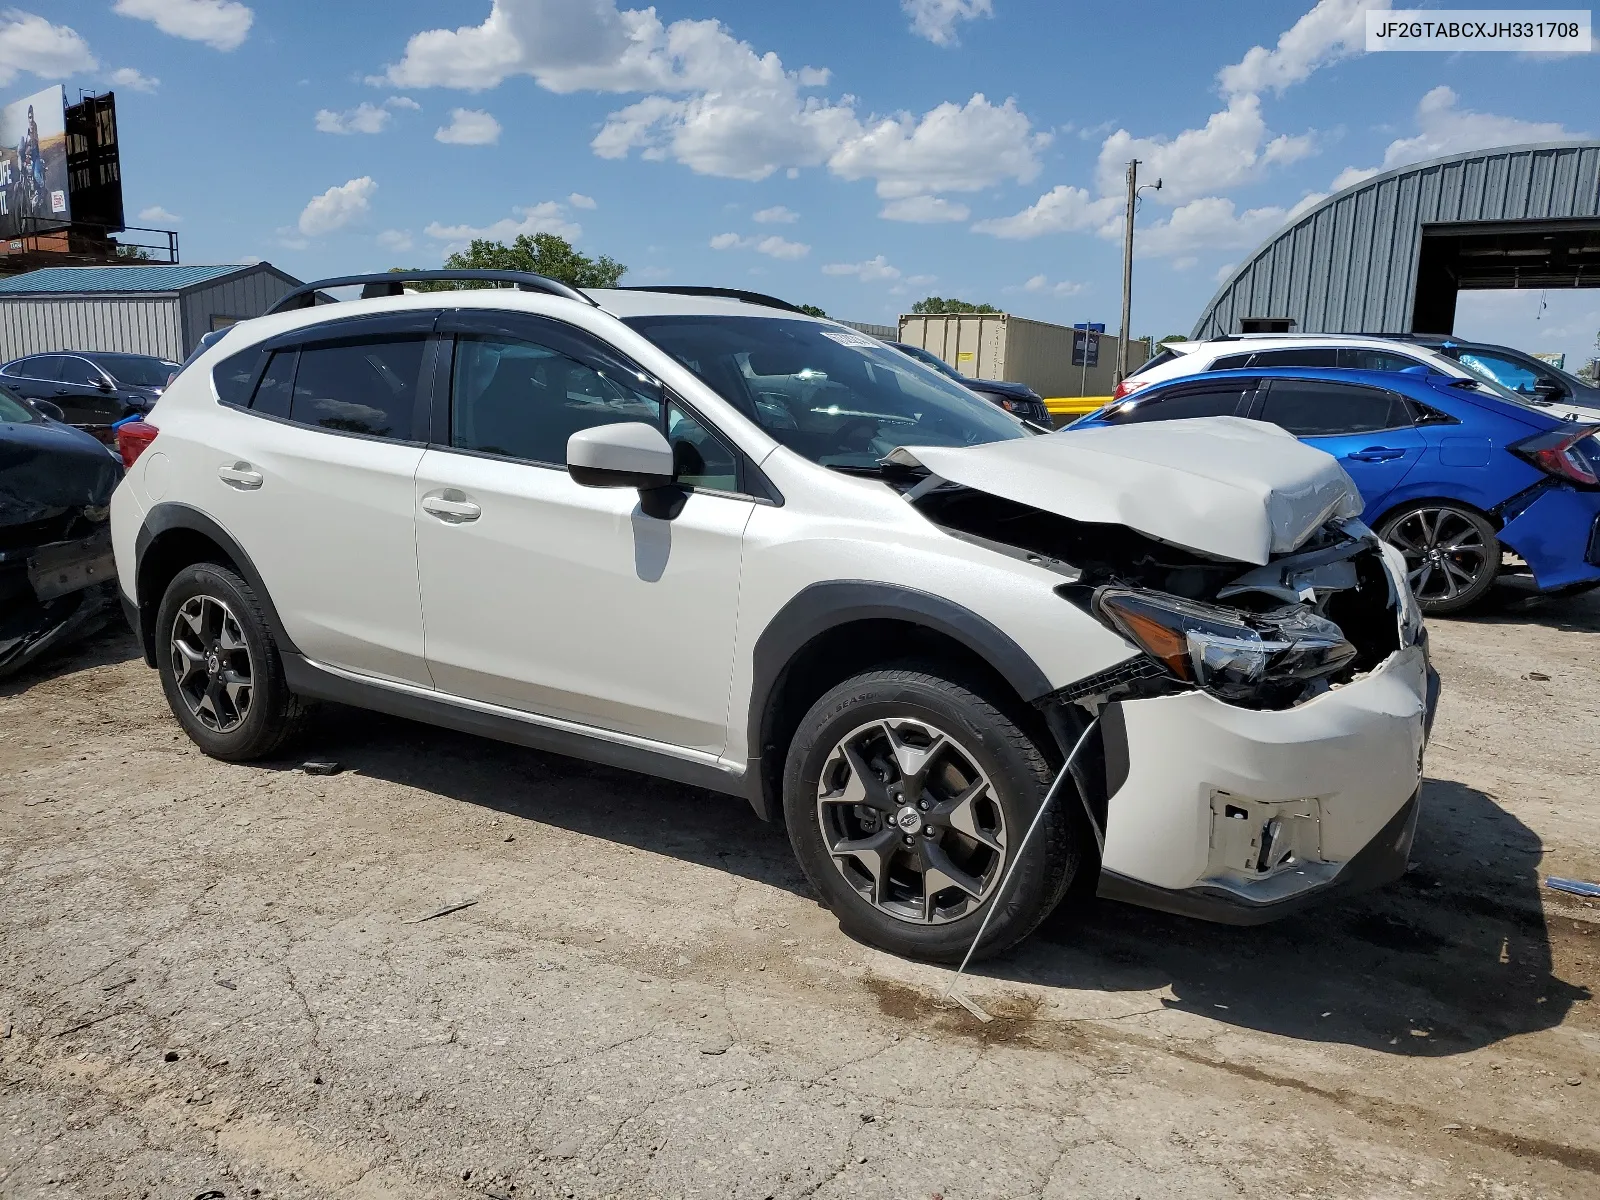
(363, 118)
(776, 215)
(936, 19)
(773, 246)
(1184, 263)
(1226, 151)
(159, 216)
(128, 77)
(919, 280)
(222, 24)
(398, 240)
(716, 105)
(1446, 129)
(1352, 175)
(1062, 209)
(1042, 285)
(548, 217)
(1221, 274)
(871, 271)
(30, 43)
(1332, 30)
(924, 210)
(1209, 223)
(338, 207)
(469, 127)
(405, 102)
(579, 200)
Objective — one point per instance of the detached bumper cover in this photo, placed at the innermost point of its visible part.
(1558, 536)
(1240, 815)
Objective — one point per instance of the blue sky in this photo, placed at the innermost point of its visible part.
(854, 155)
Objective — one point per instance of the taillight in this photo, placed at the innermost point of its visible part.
(132, 439)
(1128, 387)
(1562, 454)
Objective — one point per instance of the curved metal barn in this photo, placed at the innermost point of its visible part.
(1390, 254)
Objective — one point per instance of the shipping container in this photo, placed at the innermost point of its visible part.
(1003, 346)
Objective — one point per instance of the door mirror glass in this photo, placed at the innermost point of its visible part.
(622, 454)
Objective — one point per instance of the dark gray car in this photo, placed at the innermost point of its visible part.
(91, 388)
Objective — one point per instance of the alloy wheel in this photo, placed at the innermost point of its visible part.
(911, 821)
(1444, 551)
(211, 663)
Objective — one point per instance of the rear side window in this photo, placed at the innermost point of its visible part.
(42, 366)
(1231, 362)
(1305, 356)
(1355, 358)
(234, 377)
(366, 386)
(277, 385)
(1220, 401)
(1309, 408)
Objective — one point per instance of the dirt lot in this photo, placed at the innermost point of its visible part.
(214, 982)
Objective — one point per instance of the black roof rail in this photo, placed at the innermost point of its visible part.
(392, 283)
(759, 298)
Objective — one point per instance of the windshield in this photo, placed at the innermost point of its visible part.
(839, 397)
(14, 411)
(136, 370)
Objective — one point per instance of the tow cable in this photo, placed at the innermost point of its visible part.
(950, 992)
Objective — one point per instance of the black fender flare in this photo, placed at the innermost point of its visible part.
(823, 606)
(166, 517)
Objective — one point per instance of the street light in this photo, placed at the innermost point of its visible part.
(1127, 264)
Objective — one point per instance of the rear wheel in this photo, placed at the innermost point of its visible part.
(220, 667)
(1452, 554)
(907, 796)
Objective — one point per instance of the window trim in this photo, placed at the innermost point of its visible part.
(1259, 402)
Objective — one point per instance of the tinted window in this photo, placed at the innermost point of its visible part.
(699, 457)
(366, 385)
(1355, 358)
(1305, 356)
(1231, 362)
(137, 370)
(43, 366)
(1307, 408)
(524, 400)
(277, 385)
(1504, 371)
(78, 371)
(838, 397)
(1200, 402)
(233, 377)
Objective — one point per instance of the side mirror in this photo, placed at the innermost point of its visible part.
(53, 411)
(105, 385)
(627, 454)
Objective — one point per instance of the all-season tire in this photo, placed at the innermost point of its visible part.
(875, 709)
(233, 701)
(1452, 553)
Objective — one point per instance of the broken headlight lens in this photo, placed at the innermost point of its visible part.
(1236, 655)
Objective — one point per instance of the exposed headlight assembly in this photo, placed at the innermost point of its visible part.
(1267, 658)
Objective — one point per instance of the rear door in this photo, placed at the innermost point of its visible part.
(1368, 429)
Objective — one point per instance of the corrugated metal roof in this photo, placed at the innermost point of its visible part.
(163, 278)
(1349, 264)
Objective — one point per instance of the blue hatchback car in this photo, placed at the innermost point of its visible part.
(1453, 475)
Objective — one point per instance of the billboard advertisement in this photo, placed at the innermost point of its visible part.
(33, 164)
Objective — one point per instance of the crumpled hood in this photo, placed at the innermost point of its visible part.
(1223, 486)
(46, 468)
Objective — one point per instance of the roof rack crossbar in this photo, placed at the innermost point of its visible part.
(759, 298)
(392, 283)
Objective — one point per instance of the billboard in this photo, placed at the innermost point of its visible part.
(33, 164)
(1085, 347)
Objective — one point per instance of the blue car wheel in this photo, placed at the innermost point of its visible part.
(1452, 554)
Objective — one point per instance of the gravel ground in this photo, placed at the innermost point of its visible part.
(220, 981)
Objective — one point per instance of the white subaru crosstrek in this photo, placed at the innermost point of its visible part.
(709, 538)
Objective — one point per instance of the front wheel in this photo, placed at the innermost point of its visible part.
(1452, 554)
(907, 796)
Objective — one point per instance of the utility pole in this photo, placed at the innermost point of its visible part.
(1127, 273)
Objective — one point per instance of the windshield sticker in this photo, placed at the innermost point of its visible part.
(846, 337)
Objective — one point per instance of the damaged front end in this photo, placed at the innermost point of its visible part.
(1263, 739)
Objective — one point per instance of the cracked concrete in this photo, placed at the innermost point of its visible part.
(644, 1001)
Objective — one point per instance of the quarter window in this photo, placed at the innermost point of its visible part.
(276, 386)
(699, 458)
(1305, 356)
(515, 397)
(1308, 408)
(1357, 358)
(366, 385)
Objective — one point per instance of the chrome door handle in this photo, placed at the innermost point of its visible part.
(451, 506)
(240, 475)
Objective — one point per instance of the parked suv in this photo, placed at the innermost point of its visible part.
(1361, 352)
(1016, 398)
(731, 545)
(93, 389)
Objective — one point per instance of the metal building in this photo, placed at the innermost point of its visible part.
(160, 310)
(1390, 254)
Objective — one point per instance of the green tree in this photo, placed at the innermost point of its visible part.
(811, 310)
(1173, 337)
(935, 305)
(544, 254)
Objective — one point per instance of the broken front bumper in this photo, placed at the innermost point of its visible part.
(1241, 815)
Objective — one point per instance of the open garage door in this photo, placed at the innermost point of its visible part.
(1481, 255)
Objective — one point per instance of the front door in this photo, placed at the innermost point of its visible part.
(1368, 429)
(568, 601)
(84, 394)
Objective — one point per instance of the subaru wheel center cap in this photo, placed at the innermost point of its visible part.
(908, 818)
